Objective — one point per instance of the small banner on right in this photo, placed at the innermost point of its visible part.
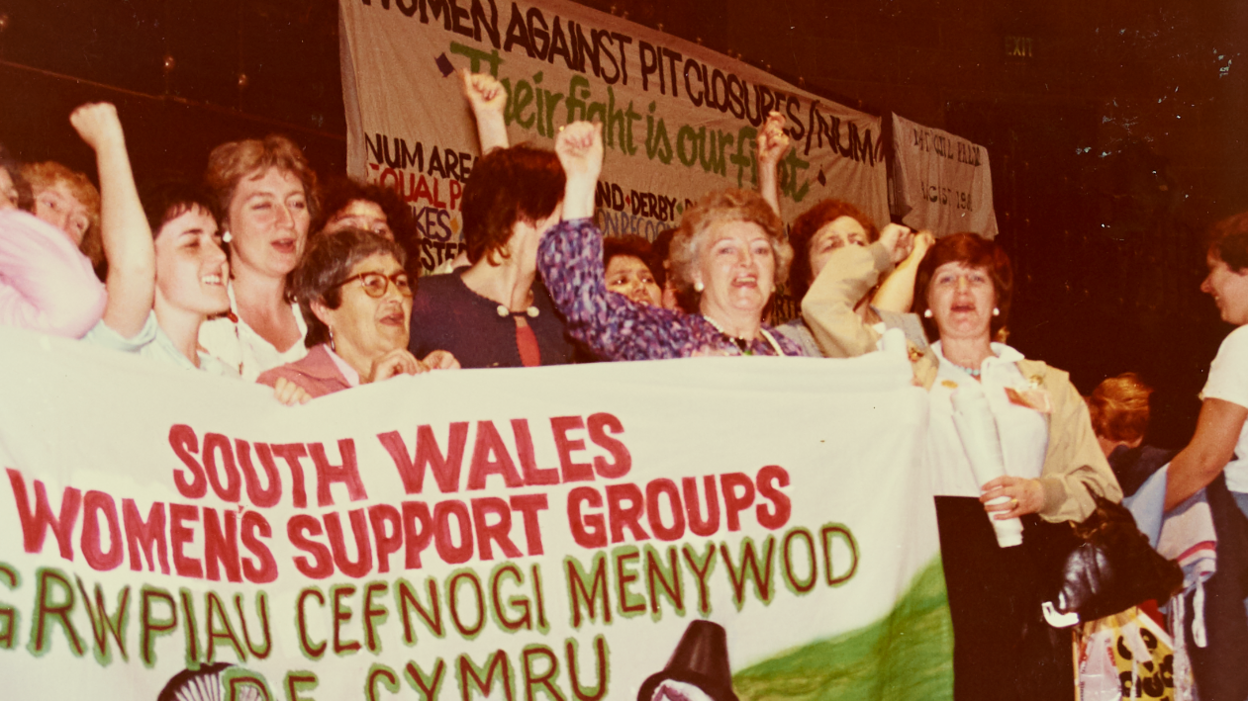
(941, 182)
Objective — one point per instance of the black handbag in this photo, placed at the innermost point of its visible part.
(1109, 568)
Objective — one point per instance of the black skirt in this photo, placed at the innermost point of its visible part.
(1003, 649)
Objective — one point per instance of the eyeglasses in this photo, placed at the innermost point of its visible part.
(375, 284)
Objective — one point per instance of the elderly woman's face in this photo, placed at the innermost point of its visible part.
(737, 268)
(268, 222)
(371, 326)
(57, 206)
(838, 233)
(962, 299)
(361, 214)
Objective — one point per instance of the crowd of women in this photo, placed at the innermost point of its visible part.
(264, 273)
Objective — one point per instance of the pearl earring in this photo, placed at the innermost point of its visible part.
(996, 312)
(227, 237)
(698, 286)
(927, 313)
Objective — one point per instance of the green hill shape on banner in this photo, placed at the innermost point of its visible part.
(906, 655)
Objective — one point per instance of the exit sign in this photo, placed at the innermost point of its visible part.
(1018, 47)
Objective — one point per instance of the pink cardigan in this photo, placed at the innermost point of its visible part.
(46, 284)
(316, 372)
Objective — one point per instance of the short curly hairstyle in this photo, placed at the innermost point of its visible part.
(42, 176)
(1119, 408)
(339, 192)
(973, 251)
(328, 260)
(166, 200)
(803, 232)
(720, 206)
(232, 161)
(1228, 241)
(508, 185)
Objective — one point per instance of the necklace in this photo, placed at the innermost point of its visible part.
(742, 344)
(973, 372)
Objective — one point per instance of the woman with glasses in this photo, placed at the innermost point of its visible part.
(356, 299)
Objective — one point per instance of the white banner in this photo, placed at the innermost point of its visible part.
(679, 119)
(941, 182)
(510, 534)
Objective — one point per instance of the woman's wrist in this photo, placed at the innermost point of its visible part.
(578, 200)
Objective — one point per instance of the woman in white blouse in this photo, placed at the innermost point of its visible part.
(267, 193)
(1003, 649)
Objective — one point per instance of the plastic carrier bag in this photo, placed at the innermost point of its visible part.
(1128, 656)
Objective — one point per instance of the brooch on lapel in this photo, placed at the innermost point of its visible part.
(1030, 395)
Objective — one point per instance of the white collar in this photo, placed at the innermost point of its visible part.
(1001, 353)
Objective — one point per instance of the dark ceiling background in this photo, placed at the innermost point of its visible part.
(1116, 129)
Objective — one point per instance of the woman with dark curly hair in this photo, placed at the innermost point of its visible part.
(1053, 469)
(167, 271)
(349, 204)
(356, 299)
(729, 252)
(631, 269)
(839, 257)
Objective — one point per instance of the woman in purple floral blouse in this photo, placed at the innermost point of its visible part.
(730, 250)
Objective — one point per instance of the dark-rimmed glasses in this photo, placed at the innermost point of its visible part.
(375, 284)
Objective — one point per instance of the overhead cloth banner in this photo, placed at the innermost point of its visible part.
(941, 182)
(546, 533)
(679, 120)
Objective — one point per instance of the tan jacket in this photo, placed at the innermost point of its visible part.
(828, 307)
(1074, 466)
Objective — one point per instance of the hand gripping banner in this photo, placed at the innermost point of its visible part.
(732, 527)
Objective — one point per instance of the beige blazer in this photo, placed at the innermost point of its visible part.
(1074, 466)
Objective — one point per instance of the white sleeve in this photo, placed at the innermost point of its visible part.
(104, 336)
(1228, 375)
